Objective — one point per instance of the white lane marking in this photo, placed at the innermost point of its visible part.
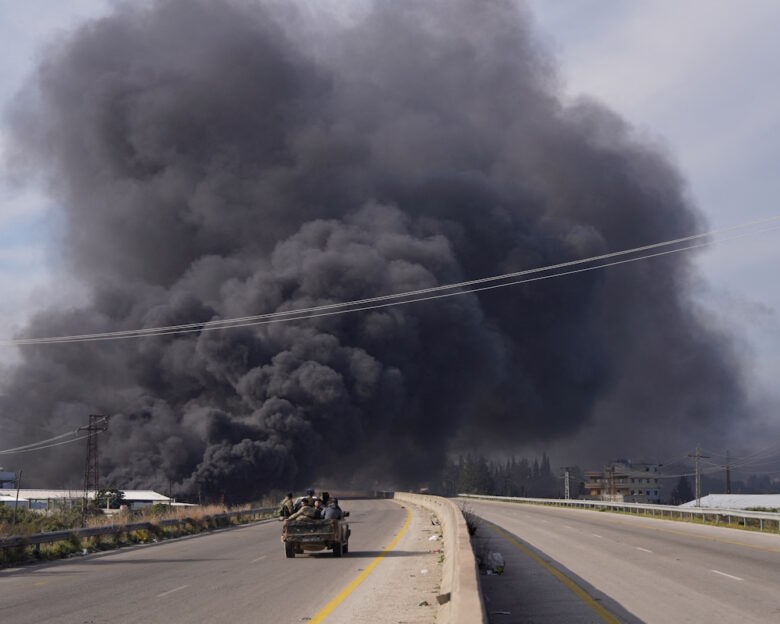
(731, 576)
(545, 521)
(568, 527)
(642, 549)
(170, 591)
(260, 558)
(597, 535)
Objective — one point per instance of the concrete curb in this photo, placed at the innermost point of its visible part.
(460, 576)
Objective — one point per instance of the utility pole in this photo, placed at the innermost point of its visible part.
(612, 482)
(728, 473)
(16, 504)
(97, 424)
(698, 457)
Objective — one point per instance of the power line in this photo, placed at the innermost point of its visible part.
(40, 448)
(383, 301)
(26, 447)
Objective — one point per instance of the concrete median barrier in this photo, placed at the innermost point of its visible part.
(460, 574)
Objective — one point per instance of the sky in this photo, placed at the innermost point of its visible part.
(700, 79)
(694, 78)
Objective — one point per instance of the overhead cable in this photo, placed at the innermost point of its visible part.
(415, 296)
(23, 448)
(40, 448)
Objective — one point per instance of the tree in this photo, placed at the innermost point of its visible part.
(110, 498)
(682, 492)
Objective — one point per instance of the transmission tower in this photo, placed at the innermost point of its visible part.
(566, 486)
(97, 424)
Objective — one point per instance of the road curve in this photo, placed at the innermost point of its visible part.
(639, 569)
(236, 575)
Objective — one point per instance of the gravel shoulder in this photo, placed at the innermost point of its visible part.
(407, 576)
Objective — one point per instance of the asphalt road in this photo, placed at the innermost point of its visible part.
(633, 569)
(235, 575)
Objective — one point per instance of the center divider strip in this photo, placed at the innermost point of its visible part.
(342, 595)
(605, 615)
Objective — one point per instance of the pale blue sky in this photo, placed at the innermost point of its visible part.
(700, 78)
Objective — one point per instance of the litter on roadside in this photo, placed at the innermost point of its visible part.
(495, 563)
(443, 598)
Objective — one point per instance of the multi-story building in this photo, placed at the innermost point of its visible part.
(625, 481)
(7, 480)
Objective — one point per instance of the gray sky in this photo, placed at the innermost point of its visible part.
(698, 78)
(701, 79)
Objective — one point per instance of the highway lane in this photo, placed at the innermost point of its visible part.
(655, 570)
(237, 575)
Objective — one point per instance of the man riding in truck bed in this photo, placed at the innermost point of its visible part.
(306, 513)
(333, 511)
(286, 507)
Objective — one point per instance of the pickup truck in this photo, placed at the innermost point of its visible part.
(313, 535)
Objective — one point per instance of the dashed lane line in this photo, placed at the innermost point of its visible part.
(597, 535)
(643, 549)
(617, 520)
(170, 591)
(578, 591)
(260, 558)
(731, 576)
(342, 595)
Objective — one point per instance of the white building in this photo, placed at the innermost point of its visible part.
(45, 500)
(737, 501)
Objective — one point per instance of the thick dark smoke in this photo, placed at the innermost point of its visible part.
(221, 159)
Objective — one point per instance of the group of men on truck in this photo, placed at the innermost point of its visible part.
(310, 507)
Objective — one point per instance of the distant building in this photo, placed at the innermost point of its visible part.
(625, 481)
(7, 480)
(45, 500)
(9, 500)
(738, 501)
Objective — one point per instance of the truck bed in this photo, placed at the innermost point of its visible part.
(312, 530)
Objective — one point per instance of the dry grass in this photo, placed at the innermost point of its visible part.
(190, 520)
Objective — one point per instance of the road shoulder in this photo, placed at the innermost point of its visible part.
(408, 576)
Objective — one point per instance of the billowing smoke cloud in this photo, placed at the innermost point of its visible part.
(221, 159)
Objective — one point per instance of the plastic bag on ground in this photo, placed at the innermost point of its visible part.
(495, 562)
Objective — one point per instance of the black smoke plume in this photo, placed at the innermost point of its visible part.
(221, 159)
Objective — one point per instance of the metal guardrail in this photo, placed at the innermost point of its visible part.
(765, 519)
(37, 539)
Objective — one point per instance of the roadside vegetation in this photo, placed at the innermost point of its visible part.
(189, 521)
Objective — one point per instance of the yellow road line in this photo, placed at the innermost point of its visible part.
(605, 615)
(342, 595)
